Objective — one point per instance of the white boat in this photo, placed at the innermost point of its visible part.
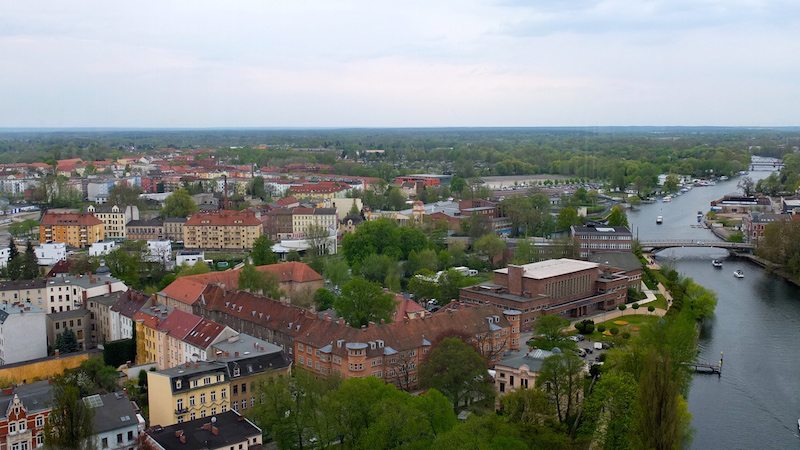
(659, 220)
(717, 263)
(738, 274)
(667, 199)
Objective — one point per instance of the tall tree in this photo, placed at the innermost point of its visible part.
(525, 252)
(562, 376)
(123, 195)
(567, 217)
(490, 246)
(617, 218)
(67, 342)
(336, 271)
(457, 371)
(30, 265)
(14, 267)
(747, 185)
(262, 252)
(362, 301)
(179, 204)
(662, 421)
(253, 280)
(69, 424)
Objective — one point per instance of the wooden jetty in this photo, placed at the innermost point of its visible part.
(704, 367)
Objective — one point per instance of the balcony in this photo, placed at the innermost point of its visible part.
(179, 411)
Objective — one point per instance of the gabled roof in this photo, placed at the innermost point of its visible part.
(179, 324)
(130, 302)
(223, 218)
(73, 219)
(204, 333)
(111, 412)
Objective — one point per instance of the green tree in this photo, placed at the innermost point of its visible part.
(562, 373)
(528, 406)
(69, 424)
(30, 265)
(179, 204)
(609, 411)
(262, 252)
(123, 195)
(567, 217)
(253, 280)
(457, 371)
(67, 342)
(200, 267)
(671, 183)
(256, 188)
(450, 284)
(14, 266)
(362, 302)
(662, 419)
(324, 299)
(336, 271)
(490, 246)
(549, 331)
(423, 286)
(617, 218)
(125, 265)
(377, 267)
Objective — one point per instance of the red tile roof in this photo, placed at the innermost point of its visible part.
(323, 187)
(204, 333)
(223, 218)
(188, 289)
(179, 323)
(286, 201)
(74, 219)
(406, 308)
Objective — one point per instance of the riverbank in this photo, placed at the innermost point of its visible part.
(770, 267)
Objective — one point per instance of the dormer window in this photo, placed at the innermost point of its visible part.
(236, 371)
(177, 384)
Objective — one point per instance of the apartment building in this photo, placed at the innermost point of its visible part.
(123, 312)
(567, 287)
(146, 230)
(116, 422)
(278, 224)
(222, 230)
(73, 229)
(173, 228)
(229, 430)
(78, 321)
(321, 190)
(519, 370)
(304, 219)
(23, 414)
(188, 392)
(21, 291)
(114, 218)
(23, 334)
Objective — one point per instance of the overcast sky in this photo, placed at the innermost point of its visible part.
(334, 63)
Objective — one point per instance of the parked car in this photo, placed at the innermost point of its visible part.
(598, 346)
(576, 338)
(581, 352)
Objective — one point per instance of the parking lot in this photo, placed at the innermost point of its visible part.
(591, 353)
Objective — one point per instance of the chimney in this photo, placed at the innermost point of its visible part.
(515, 273)
(236, 354)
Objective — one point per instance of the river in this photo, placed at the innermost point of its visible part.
(755, 404)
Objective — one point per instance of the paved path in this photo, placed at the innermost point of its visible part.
(608, 315)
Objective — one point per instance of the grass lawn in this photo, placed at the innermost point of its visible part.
(634, 322)
(660, 302)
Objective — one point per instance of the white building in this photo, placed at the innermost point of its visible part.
(50, 253)
(23, 333)
(70, 292)
(115, 423)
(102, 248)
(189, 257)
(5, 254)
(97, 191)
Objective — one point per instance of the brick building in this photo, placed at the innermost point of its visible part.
(593, 238)
(567, 287)
(23, 414)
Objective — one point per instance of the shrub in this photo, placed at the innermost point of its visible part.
(626, 335)
(585, 326)
(651, 308)
(601, 328)
(614, 331)
(635, 306)
(601, 357)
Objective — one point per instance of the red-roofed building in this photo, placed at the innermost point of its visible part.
(288, 202)
(392, 351)
(323, 189)
(407, 309)
(74, 229)
(295, 279)
(223, 229)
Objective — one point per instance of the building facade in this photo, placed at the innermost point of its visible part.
(74, 229)
(222, 230)
(78, 321)
(23, 414)
(145, 230)
(602, 239)
(228, 431)
(188, 392)
(114, 219)
(23, 333)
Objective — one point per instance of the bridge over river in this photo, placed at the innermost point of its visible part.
(661, 244)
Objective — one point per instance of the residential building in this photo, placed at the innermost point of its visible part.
(97, 191)
(173, 228)
(102, 248)
(23, 334)
(21, 291)
(344, 206)
(146, 230)
(188, 392)
(229, 430)
(739, 204)
(69, 292)
(77, 320)
(596, 238)
(754, 223)
(123, 312)
(295, 279)
(567, 287)
(222, 230)
(73, 229)
(50, 253)
(321, 190)
(278, 224)
(518, 370)
(23, 414)
(305, 219)
(206, 201)
(99, 308)
(116, 422)
(114, 219)
(5, 255)
(349, 223)
(249, 361)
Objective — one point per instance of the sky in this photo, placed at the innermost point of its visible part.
(341, 63)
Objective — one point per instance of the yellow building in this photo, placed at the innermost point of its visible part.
(114, 218)
(73, 229)
(222, 230)
(187, 392)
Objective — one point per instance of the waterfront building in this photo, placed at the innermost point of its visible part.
(601, 238)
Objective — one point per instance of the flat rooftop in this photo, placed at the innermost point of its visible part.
(552, 268)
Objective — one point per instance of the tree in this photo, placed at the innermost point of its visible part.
(747, 185)
(528, 406)
(262, 252)
(651, 308)
(609, 411)
(336, 271)
(30, 264)
(562, 376)
(125, 265)
(548, 328)
(83, 264)
(635, 306)
(69, 424)
(256, 188)
(198, 268)
(617, 218)
(362, 302)
(67, 342)
(265, 283)
(323, 299)
(622, 308)
(317, 237)
(490, 246)
(457, 371)
(662, 419)
(671, 183)
(585, 326)
(567, 217)
(450, 284)
(377, 267)
(14, 266)
(179, 204)
(123, 195)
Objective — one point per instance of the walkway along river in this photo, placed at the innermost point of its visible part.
(755, 404)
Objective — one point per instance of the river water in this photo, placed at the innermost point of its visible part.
(755, 404)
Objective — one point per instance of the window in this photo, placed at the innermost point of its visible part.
(202, 398)
(119, 438)
(39, 421)
(223, 393)
(23, 425)
(244, 404)
(194, 383)
(105, 441)
(213, 410)
(213, 396)
(12, 427)
(39, 440)
(207, 380)
(235, 389)
(180, 404)
(202, 413)
(130, 435)
(177, 384)
(244, 388)
(191, 400)
(192, 416)
(236, 371)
